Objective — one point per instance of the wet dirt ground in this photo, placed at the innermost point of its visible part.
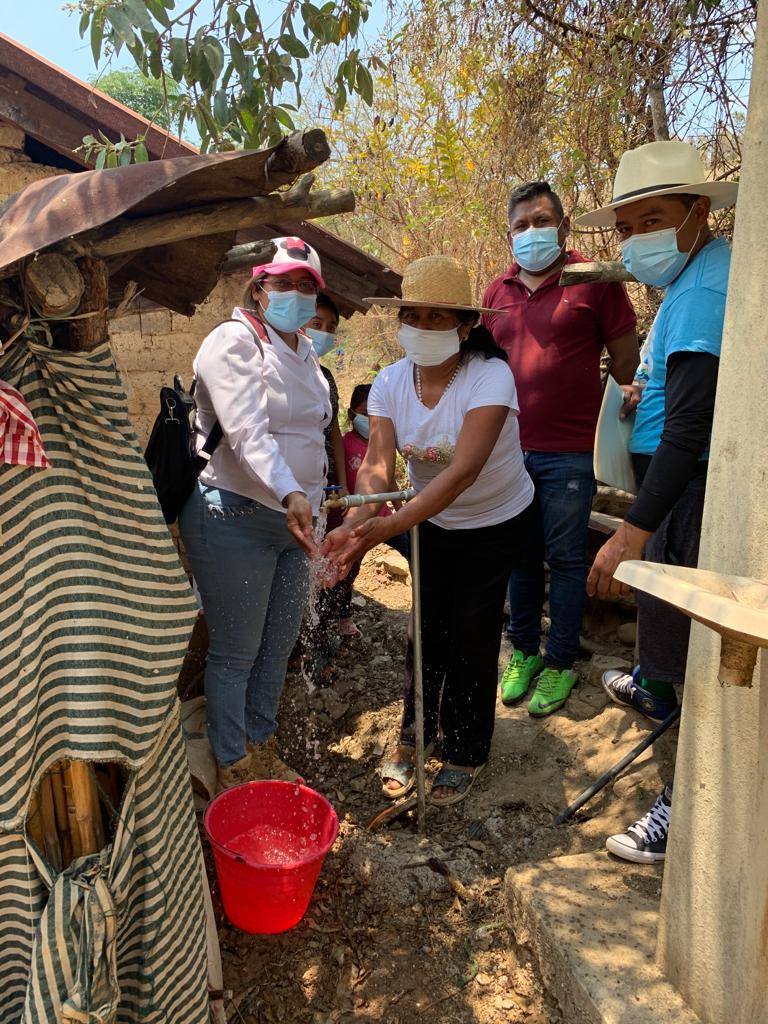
(402, 929)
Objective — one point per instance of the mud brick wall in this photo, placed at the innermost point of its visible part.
(150, 346)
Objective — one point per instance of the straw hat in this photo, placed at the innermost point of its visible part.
(439, 281)
(660, 169)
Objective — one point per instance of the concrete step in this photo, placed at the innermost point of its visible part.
(590, 923)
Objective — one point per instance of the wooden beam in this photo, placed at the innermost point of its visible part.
(129, 234)
(599, 270)
(43, 122)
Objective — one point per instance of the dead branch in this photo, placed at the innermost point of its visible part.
(599, 270)
(129, 234)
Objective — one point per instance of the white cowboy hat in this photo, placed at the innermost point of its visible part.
(660, 169)
(439, 281)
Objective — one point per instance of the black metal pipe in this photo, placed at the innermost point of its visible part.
(619, 767)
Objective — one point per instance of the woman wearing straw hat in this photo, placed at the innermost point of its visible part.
(450, 407)
(247, 526)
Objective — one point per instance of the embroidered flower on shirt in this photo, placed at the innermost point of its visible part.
(440, 454)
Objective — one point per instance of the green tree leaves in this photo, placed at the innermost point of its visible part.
(239, 70)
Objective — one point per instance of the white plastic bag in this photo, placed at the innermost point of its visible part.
(612, 461)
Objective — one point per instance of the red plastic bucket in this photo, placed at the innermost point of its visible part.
(269, 842)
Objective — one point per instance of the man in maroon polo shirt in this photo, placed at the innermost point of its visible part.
(554, 338)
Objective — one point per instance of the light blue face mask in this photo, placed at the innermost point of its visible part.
(288, 311)
(654, 258)
(360, 423)
(536, 249)
(322, 341)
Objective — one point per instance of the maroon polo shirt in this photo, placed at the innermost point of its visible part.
(553, 338)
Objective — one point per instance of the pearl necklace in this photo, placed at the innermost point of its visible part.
(454, 375)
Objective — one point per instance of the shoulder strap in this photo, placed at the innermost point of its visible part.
(259, 335)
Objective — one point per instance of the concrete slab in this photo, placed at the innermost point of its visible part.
(590, 924)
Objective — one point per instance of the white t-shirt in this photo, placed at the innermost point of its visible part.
(273, 409)
(426, 438)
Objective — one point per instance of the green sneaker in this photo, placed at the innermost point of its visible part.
(551, 691)
(518, 676)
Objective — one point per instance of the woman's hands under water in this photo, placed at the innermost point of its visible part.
(347, 544)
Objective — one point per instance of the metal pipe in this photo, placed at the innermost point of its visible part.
(418, 683)
(355, 500)
(610, 775)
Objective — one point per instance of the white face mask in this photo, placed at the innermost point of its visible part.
(428, 348)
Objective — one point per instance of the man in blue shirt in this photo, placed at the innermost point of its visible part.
(660, 212)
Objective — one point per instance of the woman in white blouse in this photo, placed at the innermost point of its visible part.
(450, 408)
(247, 527)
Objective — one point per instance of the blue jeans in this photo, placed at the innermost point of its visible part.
(253, 581)
(565, 486)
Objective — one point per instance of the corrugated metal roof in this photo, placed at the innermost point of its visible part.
(57, 109)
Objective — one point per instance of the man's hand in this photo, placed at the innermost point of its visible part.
(632, 395)
(299, 519)
(626, 544)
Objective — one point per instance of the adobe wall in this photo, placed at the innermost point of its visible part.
(151, 346)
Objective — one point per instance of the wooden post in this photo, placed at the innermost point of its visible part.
(91, 331)
(86, 806)
(50, 833)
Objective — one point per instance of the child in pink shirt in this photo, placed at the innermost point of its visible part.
(355, 447)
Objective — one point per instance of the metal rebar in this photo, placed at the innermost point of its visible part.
(418, 683)
(610, 775)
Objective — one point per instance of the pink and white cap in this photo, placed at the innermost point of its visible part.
(292, 254)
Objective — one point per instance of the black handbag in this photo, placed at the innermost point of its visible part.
(170, 454)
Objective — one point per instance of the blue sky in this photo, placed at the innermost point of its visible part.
(43, 26)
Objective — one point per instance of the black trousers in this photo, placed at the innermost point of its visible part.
(464, 576)
(662, 630)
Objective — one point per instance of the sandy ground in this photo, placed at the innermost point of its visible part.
(388, 937)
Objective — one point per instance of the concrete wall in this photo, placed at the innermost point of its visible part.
(151, 346)
(713, 932)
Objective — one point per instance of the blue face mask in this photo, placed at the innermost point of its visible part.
(322, 341)
(654, 258)
(360, 423)
(288, 311)
(536, 249)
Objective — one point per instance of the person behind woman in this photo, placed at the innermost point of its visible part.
(322, 332)
(355, 447)
(450, 408)
(247, 527)
(318, 639)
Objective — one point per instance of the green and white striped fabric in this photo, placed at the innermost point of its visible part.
(95, 613)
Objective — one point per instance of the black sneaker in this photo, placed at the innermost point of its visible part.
(645, 842)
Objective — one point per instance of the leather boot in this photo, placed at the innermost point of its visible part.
(231, 775)
(266, 764)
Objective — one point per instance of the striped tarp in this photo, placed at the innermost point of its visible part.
(95, 613)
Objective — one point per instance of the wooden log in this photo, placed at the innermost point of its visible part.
(50, 832)
(599, 270)
(86, 333)
(54, 285)
(62, 818)
(298, 153)
(248, 255)
(128, 234)
(86, 804)
(74, 828)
